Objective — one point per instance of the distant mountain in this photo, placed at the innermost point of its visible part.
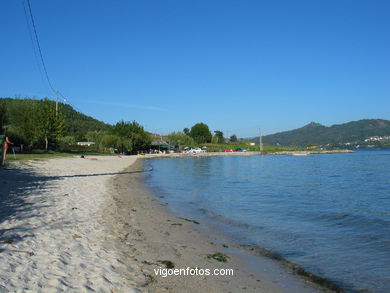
(362, 132)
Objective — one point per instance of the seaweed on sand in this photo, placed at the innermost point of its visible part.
(219, 256)
(189, 220)
(168, 264)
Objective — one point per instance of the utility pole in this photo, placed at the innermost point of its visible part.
(159, 144)
(56, 104)
(260, 142)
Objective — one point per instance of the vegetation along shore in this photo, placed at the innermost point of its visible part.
(42, 127)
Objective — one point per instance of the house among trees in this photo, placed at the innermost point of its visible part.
(158, 142)
(160, 145)
(85, 143)
(155, 136)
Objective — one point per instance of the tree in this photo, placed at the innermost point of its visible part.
(200, 133)
(180, 139)
(214, 139)
(310, 144)
(65, 142)
(233, 138)
(219, 135)
(68, 140)
(186, 131)
(47, 125)
(21, 113)
(132, 136)
(3, 116)
(110, 141)
(22, 121)
(105, 139)
(94, 136)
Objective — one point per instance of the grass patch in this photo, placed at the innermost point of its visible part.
(36, 156)
(41, 155)
(219, 256)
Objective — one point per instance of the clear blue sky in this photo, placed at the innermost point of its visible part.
(235, 65)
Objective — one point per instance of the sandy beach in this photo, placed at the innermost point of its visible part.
(85, 225)
(51, 229)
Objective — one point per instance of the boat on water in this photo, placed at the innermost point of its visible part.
(300, 154)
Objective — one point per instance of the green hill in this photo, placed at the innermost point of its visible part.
(363, 133)
(77, 124)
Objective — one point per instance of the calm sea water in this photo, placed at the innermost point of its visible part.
(328, 213)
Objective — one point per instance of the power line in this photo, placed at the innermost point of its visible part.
(37, 44)
(33, 45)
(67, 101)
(39, 47)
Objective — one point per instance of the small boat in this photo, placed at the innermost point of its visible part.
(300, 154)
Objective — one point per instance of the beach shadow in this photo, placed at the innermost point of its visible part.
(16, 185)
(100, 174)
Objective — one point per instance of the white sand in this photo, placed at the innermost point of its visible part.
(51, 237)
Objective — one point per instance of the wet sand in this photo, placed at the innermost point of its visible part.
(150, 233)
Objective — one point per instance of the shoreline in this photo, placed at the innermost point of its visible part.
(164, 236)
(249, 153)
(91, 224)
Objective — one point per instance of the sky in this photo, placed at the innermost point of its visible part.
(235, 65)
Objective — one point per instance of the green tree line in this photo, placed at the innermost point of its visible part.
(38, 125)
(197, 135)
(35, 124)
